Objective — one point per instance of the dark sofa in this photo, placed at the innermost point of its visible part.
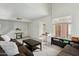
(69, 50)
(23, 51)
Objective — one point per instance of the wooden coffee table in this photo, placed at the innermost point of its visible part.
(32, 43)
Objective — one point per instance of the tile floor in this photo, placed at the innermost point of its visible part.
(48, 50)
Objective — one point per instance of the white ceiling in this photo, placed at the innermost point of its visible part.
(24, 10)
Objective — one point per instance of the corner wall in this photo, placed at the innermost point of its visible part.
(36, 26)
(9, 27)
(68, 9)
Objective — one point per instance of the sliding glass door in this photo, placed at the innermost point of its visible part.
(62, 30)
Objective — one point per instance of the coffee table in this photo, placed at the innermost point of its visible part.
(32, 43)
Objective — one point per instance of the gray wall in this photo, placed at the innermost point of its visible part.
(8, 27)
(59, 10)
(36, 26)
(65, 9)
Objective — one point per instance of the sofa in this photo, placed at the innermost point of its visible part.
(23, 51)
(70, 50)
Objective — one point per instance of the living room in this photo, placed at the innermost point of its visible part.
(21, 21)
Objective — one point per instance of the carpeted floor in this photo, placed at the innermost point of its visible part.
(48, 50)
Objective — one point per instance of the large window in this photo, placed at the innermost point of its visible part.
(62, 30)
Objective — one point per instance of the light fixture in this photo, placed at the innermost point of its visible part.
(19, 18)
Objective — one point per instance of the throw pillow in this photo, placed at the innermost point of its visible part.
(6, 38)
(10, 48)
(75, 45)
(1, 39)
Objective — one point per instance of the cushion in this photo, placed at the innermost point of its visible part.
(65, 41)
(75, 45)
(25, 50)
(62, 53)
(17, 43)
(10, 48)
(1, 50)
(1, 39)
(5, 37)
(71, 50)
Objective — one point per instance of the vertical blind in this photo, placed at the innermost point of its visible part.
(61, 30)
